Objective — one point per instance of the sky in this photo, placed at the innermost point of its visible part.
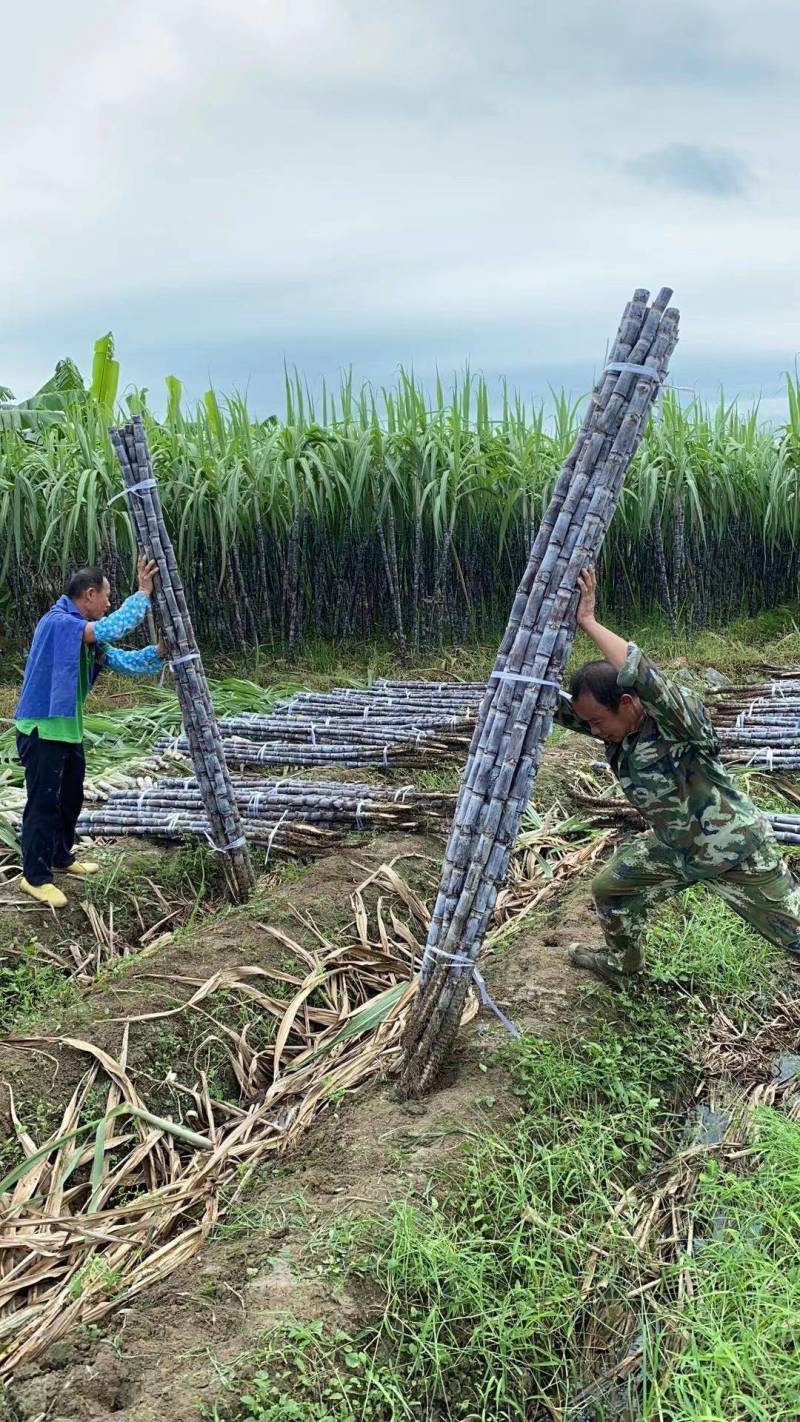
(231, 185)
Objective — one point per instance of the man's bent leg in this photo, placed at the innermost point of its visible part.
(765, 894)
(641, 874)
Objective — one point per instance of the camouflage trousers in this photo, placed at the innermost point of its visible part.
(645, 872)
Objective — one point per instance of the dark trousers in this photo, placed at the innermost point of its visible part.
(54, 772)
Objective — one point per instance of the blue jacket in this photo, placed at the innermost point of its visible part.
(50, 684)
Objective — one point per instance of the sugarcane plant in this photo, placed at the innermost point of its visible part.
(517, 710)
(197, 711)
(406, 513)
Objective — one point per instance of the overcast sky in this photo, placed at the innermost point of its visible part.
(230, 183)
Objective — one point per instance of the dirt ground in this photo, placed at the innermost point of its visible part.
(165, 1352)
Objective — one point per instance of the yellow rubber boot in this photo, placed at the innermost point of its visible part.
(81, 869)
(46, 894)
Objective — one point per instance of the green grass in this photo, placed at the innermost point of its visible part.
(30, 988)
(481, 1308)
(738, 1358)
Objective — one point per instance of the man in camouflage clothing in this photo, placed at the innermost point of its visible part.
(661, 746)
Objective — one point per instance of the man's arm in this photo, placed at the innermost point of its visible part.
(678, 713)
(566, 717)
(127, 617)
(613, 648)
(146, 662)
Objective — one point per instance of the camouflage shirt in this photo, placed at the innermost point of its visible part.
(671, 771)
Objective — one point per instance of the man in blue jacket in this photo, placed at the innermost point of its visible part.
(71, 644)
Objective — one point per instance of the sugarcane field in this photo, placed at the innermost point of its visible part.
(400, 715)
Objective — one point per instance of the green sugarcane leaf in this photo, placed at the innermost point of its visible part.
(105, 373)
(26, 1165)
(364, 1019)
(96, 1177)
(174, 393)
(171, 1128)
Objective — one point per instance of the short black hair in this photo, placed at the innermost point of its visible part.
(600, 680)
(82, 580)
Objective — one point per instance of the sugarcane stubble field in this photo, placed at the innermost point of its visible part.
(215, 1200)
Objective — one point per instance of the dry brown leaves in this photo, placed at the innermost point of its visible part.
(740, 1071)
(105, 1208)
(545, 860)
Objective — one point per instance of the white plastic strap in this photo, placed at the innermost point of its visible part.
(272, 835)
(462, 960)
(521, 676)
(226, 848)
(133, 489)
(178, 661)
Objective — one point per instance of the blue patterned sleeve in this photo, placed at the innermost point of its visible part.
(118, 624)
(140, 663)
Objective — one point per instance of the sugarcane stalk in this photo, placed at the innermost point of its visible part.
(516, 711)
(197, 711)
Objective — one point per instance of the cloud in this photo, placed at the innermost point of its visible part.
(715, 172)
(227, 183)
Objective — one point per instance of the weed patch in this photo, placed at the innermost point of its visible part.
(515, 1284)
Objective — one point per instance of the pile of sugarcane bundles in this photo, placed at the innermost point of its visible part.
(264, 805)
(392, 723)
(516, 713)
(601, 810)
(424, 750)
(199, 719)
(776, 734)
(757, 702)
(280, 835)
(786, 827)
(759, 725)
(764, 758)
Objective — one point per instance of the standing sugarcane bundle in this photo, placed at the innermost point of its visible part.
(516, 713)
(197, 711)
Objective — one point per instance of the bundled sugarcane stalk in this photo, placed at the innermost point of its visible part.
(779, 736)
(614, 810)
(199, 719)
(785, 827)
(410, 723)
(340, 793)
(764, 758)
(758, 724)
(516, 713)
(280, 835)
(176, 806)
(424, 750)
